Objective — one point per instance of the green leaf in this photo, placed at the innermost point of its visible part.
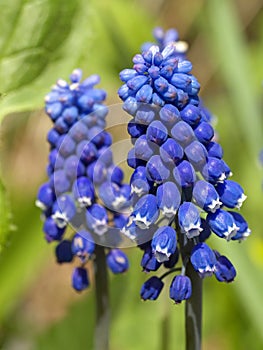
(232, 52)
(5, 217)
(40, 41)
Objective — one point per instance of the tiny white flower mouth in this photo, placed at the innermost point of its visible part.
(40, 205)
(222, 177)
(118, 202)
(100, 227)
(241, 200)
(231, 232)
(161, 254)
(142, 222)
(79, 242)
(136, 190)
(126, 232)
(216, 204)
(84, 201)
(181, 46)
(169, 212)
(61, 219)
(207, 272)
(193, 230)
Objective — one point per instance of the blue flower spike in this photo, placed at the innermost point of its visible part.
(82, 177)
(178, 168)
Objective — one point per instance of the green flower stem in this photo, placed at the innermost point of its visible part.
(193, 311)
(193, 306)
(101, 334)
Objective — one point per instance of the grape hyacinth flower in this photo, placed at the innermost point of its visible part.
(180, 184)
(85, 191)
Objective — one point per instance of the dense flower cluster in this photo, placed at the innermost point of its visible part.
(181, 190)
(85, 189)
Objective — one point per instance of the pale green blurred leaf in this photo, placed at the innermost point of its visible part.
(40, 39)
(5, 217)
(231, 51)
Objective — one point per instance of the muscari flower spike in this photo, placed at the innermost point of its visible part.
(80, 168)
(180, 186)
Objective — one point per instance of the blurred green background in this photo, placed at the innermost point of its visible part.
(41, 40)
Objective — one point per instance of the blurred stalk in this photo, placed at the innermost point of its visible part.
(227, 40)
(193, 306)
(101, 335)
(165, 338)
(193, 311)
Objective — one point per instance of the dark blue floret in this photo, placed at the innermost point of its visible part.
(168, 199)
(171, 152)
(97, 219)
(231, 194)
(145, 211)
(243, 230)
(214, 149)
(63, 252)
(184, 174)
(180, 288)
(82, 244)
(189, 219)
(224, 269)
(204, 132)
(206, 196)
(117, 261)
(169, 115)
(164, 243)
(196, 154)
(183, 133)
(63, 210)
(52, 231)
(142, 148)
(222, 224)
(152, 288)
(203, 259)
(45, 197)
(80, 280)
(156, 170)
(73, 167)
(149, 262)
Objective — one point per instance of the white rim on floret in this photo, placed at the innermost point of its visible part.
(142, 222)
(161, 254)
(61, 219)
(231, 231)
(40, 205)
(169, 212)
(216, 204)
(241, 200)
(100, 227)
(84, 202)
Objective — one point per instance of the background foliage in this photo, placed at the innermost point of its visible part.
(41, 40)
